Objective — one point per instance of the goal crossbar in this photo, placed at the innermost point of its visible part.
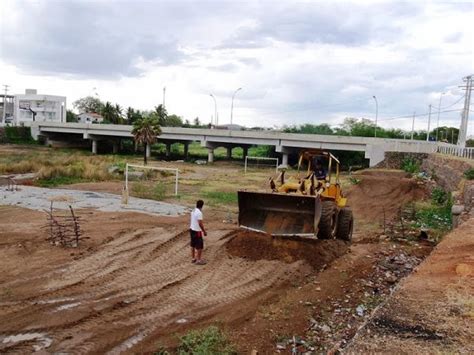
(176, 170)
(260, 158)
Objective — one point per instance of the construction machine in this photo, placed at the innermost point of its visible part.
(300, 205)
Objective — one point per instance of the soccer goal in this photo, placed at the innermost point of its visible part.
(154, 175)
(260, 162)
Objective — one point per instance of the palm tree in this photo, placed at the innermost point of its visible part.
(129, 114)
(145, 130)
(160, 112)
(118, 114)
(108, 112)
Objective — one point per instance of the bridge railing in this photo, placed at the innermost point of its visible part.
(455, 150)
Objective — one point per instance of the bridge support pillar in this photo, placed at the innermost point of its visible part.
(210, 155)
(148, 150)
(95, 143)
(168, 150)
(186, 150)
(245, 152)
(229, 153)
(284, 159)
(116, 147)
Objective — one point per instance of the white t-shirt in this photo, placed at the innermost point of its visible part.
(196, 216)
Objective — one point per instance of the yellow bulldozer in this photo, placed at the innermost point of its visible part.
(301, 205)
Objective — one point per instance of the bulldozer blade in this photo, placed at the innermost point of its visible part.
(279, 214)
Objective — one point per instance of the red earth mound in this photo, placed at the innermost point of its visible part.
(377, 194)
(257, 246)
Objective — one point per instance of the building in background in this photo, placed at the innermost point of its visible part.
(31, 106)
(89, 117)
(6, 109)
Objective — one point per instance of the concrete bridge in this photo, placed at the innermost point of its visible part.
(284, 143)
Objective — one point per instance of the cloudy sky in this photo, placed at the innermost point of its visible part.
(296, 61)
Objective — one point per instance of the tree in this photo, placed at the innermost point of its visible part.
(88, 104)
(197, 122)
(145, 130)
(108, 112)
(173, 121)
(129, 114)
(161, 115)
(71, 116)
(118, 116)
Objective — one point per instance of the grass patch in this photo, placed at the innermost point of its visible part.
(60, 180)
(208, 341)
(156, 192)
(59, 166)
(469, 174)
(221, 198)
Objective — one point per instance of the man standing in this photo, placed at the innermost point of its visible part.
(197, 230)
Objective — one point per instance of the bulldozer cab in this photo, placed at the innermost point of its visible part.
(294, 204)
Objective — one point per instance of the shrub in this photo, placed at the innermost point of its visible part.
(469, 174)
(439, 196)
(410, 165)
(205, 342)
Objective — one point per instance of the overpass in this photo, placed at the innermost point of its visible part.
(284, 143)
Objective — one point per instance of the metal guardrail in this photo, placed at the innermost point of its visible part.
(451, 149)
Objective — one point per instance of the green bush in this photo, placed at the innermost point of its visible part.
(208, 341)
(469, 174)
(410, 165)
(16, 134)
(439, 196)
(434, 217)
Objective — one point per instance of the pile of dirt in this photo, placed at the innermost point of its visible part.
(383, 194)
(257, 246)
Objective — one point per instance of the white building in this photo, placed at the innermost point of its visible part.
(30, 106)
(89, 117)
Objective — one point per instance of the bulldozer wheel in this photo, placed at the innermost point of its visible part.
(345, 224)
(328, 221)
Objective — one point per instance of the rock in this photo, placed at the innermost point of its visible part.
(383, 237)
(113, 169)
(281, 346)
(201, 162)
(463, 269)
(325, 328)
(457, 209)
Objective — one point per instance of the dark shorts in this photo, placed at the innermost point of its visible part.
(196, 240)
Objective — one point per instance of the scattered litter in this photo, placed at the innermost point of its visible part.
(360, 310)
(182, 321)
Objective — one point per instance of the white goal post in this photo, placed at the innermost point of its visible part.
(259, 158)
(176, 171)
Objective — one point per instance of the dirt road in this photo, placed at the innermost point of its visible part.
(135, 285)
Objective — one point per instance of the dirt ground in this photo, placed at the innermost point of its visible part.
(130, 286)
(433, 309)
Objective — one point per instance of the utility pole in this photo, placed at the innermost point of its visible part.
(5, 102)
(439, 111)
(164, 94)
(465, 111)
(232, 105)
(413, 126)
(429, 123)
(376, 114)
